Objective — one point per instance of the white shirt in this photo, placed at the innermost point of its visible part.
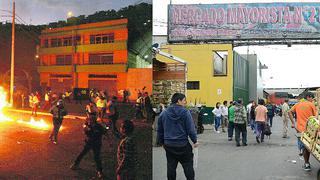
(224, 110)
(217, 112)
(249, 107)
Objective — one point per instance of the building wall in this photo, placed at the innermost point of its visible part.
(81, 67)
(241, 78)
(137, 79)
(200, 68)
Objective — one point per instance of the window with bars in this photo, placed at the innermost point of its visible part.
(76, 40)
(106, 58)
(220, 63)
(193, 85)
(102, 38)
(46, 43)
(63, 60)
(56, 42)
(67, 41)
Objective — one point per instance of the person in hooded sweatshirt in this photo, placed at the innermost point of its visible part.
(175, 125)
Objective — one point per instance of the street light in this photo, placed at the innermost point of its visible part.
(70, 14)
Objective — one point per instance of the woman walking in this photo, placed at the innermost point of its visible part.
(217, 116)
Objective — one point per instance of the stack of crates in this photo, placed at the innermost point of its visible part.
(309, 136)
(316, 147)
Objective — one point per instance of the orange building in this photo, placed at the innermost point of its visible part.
(91, 55)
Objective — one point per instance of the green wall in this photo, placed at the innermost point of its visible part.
(240, 78)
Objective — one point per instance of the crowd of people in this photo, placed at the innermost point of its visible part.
(101, 115)
(175, 126)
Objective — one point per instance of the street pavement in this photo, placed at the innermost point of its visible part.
(219, 159)
(26, 153)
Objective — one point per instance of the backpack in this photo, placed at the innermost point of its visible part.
(267, 130)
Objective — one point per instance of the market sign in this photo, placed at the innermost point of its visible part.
(255, 21)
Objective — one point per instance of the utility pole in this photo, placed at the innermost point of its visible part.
(12, 55)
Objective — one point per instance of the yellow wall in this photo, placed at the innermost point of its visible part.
(200, 68)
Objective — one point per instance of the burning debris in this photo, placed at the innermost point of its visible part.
(37, 124)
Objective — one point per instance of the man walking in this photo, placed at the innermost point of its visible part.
(304, 109)
(175, 125)
(271, 112)
(261, 118)
(240, 123)
(285, 109)
(58, 111)
(93, 141)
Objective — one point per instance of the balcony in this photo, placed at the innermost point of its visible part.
(83, 68)
(117, 45)
(55, 68)
(102, 68)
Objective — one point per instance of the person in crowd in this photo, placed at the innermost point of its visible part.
(113, 112)
(58, 111)
(139, 106)
(126, 155)
(231, 120)
(31, 100)
(125, 96)
(248, 108)
(224, 115)
(68, 96)
(91, 108)
(93, 141)
(148, 108)
(261, 119)
(47, 105)
(240, 123)
(23, 99)
(101, 105)
(217, 117)
(200, 128)
(303, 109)
(285, 110)
(253, 116)
(79, 98)
(175, 125)
(35, 104)
(271, 112)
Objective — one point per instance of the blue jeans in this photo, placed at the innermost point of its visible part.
(300, 145)
(252, 124)
(217, 122)
(260, 129)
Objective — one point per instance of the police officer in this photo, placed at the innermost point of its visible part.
(93, 141)
(58, 111)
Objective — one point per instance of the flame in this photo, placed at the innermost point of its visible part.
(37, 124)
(3, 104)
(41, 124)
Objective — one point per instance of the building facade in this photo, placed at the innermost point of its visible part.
(93, 55)
(209, 71)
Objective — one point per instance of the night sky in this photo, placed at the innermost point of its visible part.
(45, 11)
